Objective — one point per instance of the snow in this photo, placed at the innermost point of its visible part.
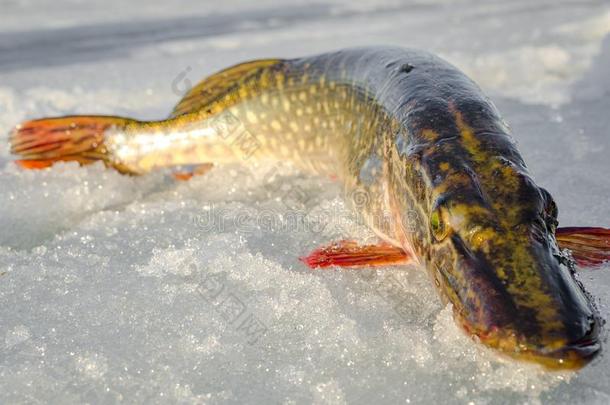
(144, 289)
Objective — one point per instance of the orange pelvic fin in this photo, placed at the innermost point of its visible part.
(42, 142)
(590, 246)
(186, 173)
(34, 164)
(348, 253)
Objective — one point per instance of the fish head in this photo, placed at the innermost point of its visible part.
(498, 263)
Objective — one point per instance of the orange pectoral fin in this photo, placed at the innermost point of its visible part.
(590, 246)
(349, 254)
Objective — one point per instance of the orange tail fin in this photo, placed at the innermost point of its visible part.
(589, 246)
(40, 143)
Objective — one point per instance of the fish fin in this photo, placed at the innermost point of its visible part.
(210, 89)
(348, 253)
(42, 142)
(590, 246)
(186, 173)
(34, 164)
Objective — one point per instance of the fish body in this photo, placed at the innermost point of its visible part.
(424, 156)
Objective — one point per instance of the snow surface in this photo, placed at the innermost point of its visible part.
(145, 290)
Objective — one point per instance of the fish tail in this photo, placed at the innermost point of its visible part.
(42, 142)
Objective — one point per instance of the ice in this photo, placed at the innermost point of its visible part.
(147, 290)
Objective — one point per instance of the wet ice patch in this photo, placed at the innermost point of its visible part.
(18, 334)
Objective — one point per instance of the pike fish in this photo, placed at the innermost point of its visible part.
(424, 156)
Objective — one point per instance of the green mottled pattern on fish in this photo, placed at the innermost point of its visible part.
(429, 162)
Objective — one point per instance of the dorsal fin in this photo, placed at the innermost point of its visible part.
(213, 87)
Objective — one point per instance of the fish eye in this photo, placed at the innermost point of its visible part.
(438, 226)
(551, 217)
(551, 209)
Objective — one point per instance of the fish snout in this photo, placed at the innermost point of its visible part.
(571, 349)
(578, 352)
(519, 296)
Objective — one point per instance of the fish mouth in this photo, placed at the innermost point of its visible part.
(572, 356)
(554, 355)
